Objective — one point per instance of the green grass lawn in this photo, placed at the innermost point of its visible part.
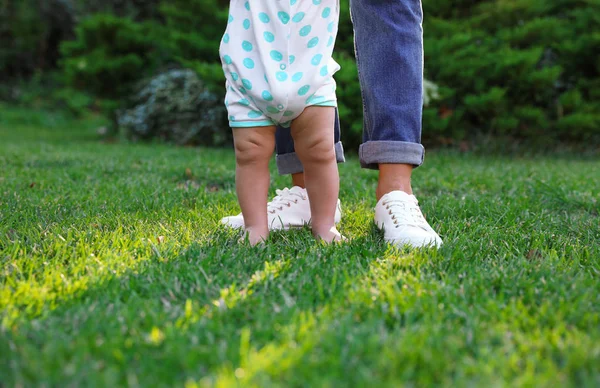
(114, 271)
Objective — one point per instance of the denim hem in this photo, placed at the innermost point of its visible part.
(290, 163)
(373, 153)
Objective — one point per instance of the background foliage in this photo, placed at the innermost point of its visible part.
(175, 106)
(525, 70)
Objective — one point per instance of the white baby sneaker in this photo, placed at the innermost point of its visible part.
(289, 209)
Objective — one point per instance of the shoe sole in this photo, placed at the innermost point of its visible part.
(413, 244)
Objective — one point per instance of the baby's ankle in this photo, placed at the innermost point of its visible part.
(256, 235)
(327, 234)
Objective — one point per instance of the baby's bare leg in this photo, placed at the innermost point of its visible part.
(313, 139)
(253, 149)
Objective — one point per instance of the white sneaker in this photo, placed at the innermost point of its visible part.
(289, 209)
(400, 217)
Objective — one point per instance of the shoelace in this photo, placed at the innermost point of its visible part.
(405, 212)
(283, 198)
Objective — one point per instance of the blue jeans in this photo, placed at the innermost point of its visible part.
(389, 55)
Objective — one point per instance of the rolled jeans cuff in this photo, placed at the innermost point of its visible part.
(373, 153)
(290, 163)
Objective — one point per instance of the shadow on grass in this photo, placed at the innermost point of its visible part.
(174, 318)
(296, 313)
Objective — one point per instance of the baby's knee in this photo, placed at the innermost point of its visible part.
(318, 150)
(252, 150)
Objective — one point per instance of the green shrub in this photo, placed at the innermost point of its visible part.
(194, 28)
(520, 69)
(74, 101)
(524, 69)
(31, 32)
(139, 10)
(110, 54)
(175, 106)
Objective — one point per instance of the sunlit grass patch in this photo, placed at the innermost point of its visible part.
(115, 270)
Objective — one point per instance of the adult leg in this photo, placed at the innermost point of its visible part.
(392, 91)
(287, 159)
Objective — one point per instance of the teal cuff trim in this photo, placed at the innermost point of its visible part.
(326, 103)
(249, 124)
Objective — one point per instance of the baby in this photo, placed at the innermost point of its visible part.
(277, 59)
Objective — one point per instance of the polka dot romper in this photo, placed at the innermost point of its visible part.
(276, 56)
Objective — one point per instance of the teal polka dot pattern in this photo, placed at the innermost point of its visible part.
(313, 42)
(277, 58)
(298, 17)
(247, 46)
(284, 17)
(304, 31)
(247, 84)
(264, 17)
(266, 95)
(269, 37)
(316, 60)
(276, 55)
(303, 90)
